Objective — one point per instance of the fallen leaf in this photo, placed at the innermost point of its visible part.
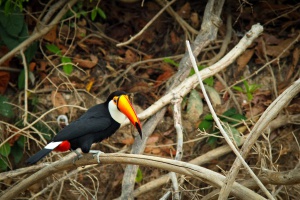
(153, 139)
(195, 20)
(130, 56)
(168, 72)
(128, 141)
(214, 95)
(32, 66)
(185, 11)
(243, 60)
(90, 84)
(194, 106)
(87, 63)
(168, 149)
(51, 35)
(276, 50)
(58, 100)
(174, 38)
(4, 80)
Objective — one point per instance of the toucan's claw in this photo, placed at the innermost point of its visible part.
(96, 154)
(78, 156)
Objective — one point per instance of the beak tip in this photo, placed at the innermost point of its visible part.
(138, 127)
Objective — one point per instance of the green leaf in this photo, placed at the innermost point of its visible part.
(5, 149)
(68, 67)
(230, 112)
(246, 85)
(200, 67)
(13, 31)
(3, 164)
(238, 88)
(17, 153)
(212, 140)
(139, 176)
(238, 117)
(170, 61)
(31, 51)
(7, 7)
(94, 14)
(21, 80)
(13, 23)
(253, 87)
(5, 108)
(47, 134)
(209, 81)
(205, 125)
(249, 96)
(101, 13)
(54, 49)
(209, 117)
(21, 141)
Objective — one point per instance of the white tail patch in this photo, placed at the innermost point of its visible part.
(52, 145)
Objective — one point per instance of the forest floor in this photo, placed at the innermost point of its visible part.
(144, 68)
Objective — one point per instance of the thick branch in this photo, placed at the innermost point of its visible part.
(184, 168)
(188, 84)
(260, 126)
(207, 34)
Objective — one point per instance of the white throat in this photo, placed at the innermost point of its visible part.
(117, 115)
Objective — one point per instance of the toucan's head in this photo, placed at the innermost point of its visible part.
(120, 107)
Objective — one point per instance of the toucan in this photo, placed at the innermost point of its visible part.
(96, 124)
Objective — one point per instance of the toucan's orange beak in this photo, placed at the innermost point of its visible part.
(126, 108)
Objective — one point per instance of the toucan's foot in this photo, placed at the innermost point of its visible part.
(96, 153)
(78, 156)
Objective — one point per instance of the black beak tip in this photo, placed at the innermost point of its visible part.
(138, 127)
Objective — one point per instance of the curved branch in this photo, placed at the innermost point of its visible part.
(260, 126)
(180, 167)
(188, 84)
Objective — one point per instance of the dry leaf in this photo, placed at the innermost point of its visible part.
(4, 80)
(51, 35)
(130, 56)
(87, 63)
(278, 49)
(185, 11)
(128, 141)
(194, 106)
(195, 20)
(174, 38)
(90, 84)
(214, 95)
(58, 100)
(243, 60)
(296, 55)
(153, 139)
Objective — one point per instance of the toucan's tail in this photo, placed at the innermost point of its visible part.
(42, 153)
(38, 156)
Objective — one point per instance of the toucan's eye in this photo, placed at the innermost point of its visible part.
(115, 99)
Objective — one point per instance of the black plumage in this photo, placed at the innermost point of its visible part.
(93, 126)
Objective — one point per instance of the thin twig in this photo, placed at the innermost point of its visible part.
(178, 126)
(25, 122)
(216, 119)
(147, 25)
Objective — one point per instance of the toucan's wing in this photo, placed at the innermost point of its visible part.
(83, 126)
